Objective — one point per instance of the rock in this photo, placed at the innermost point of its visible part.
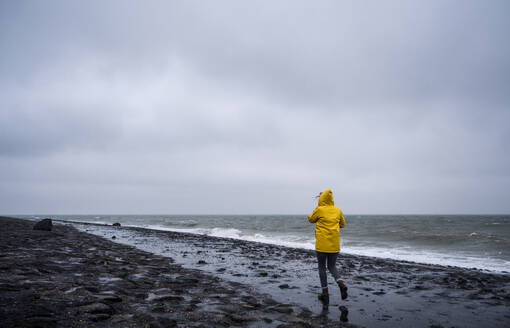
(284, 286)
(237, 318)
(201, 262)
(45, 225)
(158, 308)
(251, 300)
(40, 322)
(116, 224)
(168, 298)
(96, 308)
(108, 298)
(262, 274)
(99, 317)
(92, 289)
(114, 237)
(166, 322)
(283, 308)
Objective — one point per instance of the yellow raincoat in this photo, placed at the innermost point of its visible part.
(328, 220)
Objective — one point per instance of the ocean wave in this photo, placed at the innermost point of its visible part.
(414, 255)
(282, 240)
(395, 253)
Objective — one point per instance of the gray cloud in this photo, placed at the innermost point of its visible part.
(184, 107)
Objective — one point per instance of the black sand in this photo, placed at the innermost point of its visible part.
(62, 276)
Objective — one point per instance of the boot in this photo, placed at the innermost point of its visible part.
(324, 297)
(343, 289)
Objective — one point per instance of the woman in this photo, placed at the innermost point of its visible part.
(328, 220)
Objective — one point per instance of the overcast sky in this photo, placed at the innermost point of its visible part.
(230, 107)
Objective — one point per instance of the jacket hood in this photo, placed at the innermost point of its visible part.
(326, 198)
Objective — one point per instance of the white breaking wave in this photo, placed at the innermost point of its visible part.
(282, 240)
(402, 254)
(413, 255)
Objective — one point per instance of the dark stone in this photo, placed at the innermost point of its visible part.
(284, 286)
(108, 298)
(116, 224)
(167, 323)
(99, 317)
(168, 298)
(237, 318)
(201, 262)
(39, 322)
(251, 300)
(92, 289)
(282, 309)
(45, 225)
(114, 237)
(159, 308)
(96, 308)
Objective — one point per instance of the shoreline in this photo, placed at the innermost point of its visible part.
(382, 292)
(503, 272)
(480, 247)
(67, 278)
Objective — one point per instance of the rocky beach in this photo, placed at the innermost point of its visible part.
(89, 275)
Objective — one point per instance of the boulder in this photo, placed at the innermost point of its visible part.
(116, 224)
(45, 225)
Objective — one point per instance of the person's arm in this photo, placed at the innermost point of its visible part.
(315, 216)
(341, 222)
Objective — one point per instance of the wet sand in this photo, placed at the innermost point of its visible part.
(179, 279)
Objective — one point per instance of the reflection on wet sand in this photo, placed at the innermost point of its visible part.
(344, 313)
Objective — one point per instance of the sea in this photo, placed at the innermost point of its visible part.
(471, 241)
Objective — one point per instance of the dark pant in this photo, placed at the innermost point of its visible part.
(330, 259)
